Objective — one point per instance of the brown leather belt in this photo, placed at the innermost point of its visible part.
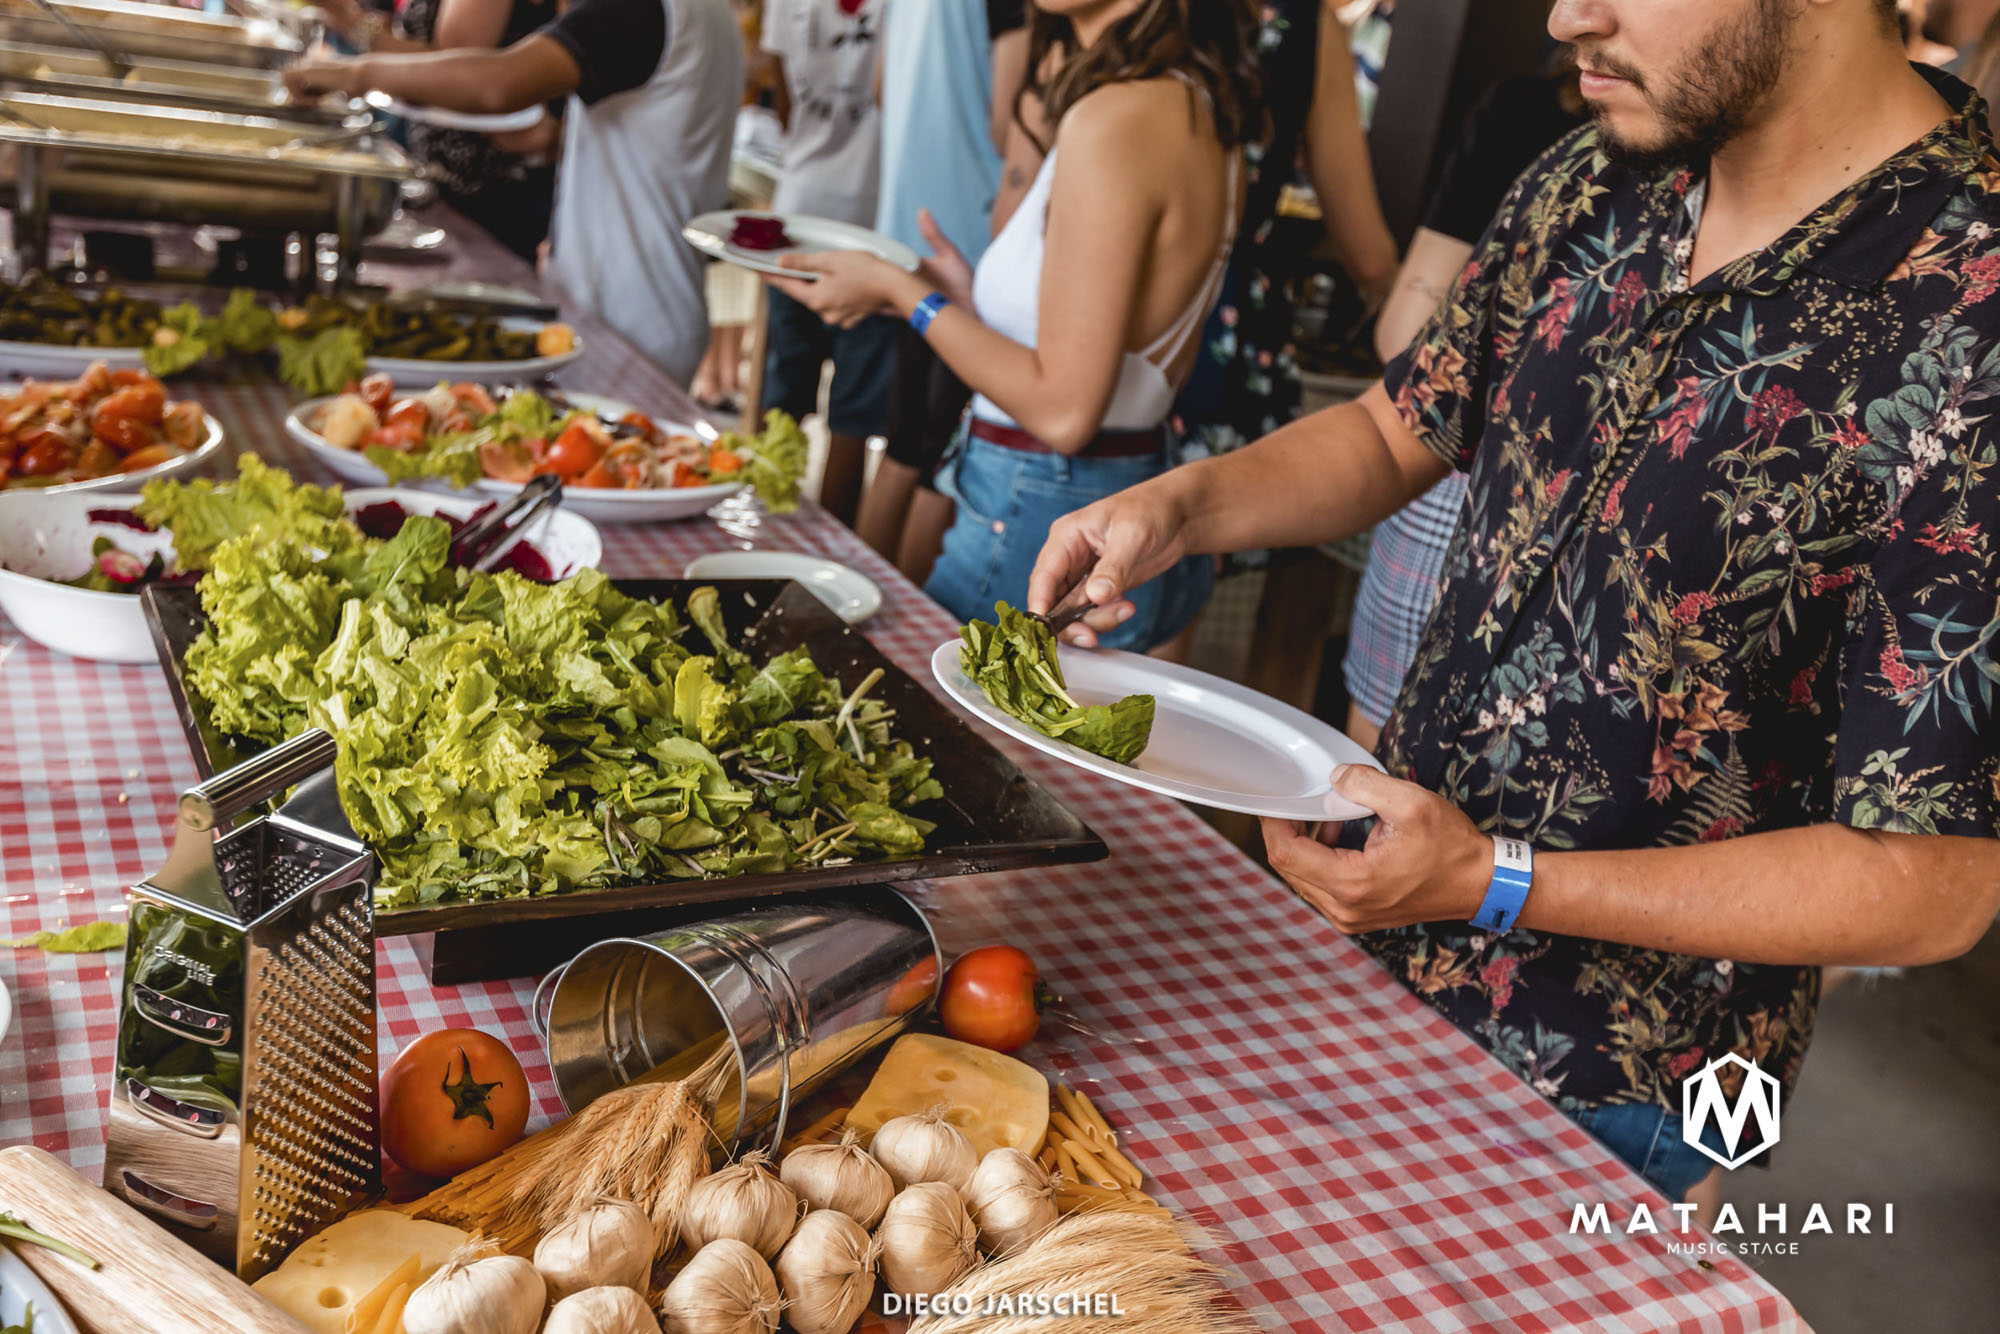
(1103, 445)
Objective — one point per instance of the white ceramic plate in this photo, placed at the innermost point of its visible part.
(505, 123)
(44, 538)
(1214, 743)
(568, 541)
(709, 234)
(187, 462)
(19, 1288)
(850, 594)
(48, 361)
(6, 1015)
(605, 506)
(418, 371)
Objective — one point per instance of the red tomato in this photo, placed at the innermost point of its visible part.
(130, 376)
(122, 433)
(403, 437)
(504, 464)
(145, 402)
(474, 399)
(451, 1100)
(599, 476)
(411, 411)
(147, 457)
(684, 475)
(993, 997)
(378, 390)
(43, 452)
(576, 451)
(644, 425)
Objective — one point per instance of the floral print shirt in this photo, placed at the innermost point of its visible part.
(1727, 565)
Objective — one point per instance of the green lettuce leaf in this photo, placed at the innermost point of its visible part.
(774, 460)
(453, 457)
(1014, 664)
(324, 363)
(184, 338)
(246, 324)
(83, 938)
(202, 514)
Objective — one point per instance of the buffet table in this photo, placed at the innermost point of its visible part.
(1360, 1163)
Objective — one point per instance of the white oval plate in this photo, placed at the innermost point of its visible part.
(849, 594)
(187, 462)
(1214, 743)
(657, 504)
(444, 119)
(65, 361)
(19, 1288)
(417, 370)
(709, 234)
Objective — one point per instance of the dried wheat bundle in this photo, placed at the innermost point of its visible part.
(647, 1142)
(1145, 1260)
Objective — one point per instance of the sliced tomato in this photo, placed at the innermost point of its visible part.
(599, 476)
(43, 452)
(147, 457)
(576, 451)
(123, 433)
(413, 411)
(724, 461)
(644, 425)
(145, 402)
(378, 390)
(474, 399)
(403, 437)
(683, 475)
(504, 463)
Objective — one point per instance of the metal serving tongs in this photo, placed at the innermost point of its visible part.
(1061, 618)
(531, 504)
(83, 36)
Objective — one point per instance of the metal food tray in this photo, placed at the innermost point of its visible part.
(78, 72)
(139, 29)
(992, 817)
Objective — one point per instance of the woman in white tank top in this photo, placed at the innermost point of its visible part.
(1079, 324)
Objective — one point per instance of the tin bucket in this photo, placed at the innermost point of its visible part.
(797, 991)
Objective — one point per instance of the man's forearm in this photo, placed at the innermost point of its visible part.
(1319, 479)
(1827, 894)
(479, 82)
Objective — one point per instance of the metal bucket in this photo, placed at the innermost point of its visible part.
(797, 990)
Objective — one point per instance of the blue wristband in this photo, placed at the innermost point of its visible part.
(1513, 874)
(926, 310)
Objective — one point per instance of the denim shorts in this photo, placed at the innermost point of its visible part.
(864, 361)
(1649, 1138)
(1007, 500)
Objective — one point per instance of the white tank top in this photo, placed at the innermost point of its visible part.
(1007, 290)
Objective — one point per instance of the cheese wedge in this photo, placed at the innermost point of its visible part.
(322, 1282)
(367, 1313)
(996, 1100)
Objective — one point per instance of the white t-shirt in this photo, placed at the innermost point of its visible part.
(645, 147)
(833, 145)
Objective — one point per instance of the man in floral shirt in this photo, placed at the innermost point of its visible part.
(1718, 630)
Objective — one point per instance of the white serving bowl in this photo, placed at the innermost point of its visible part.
(46, 537)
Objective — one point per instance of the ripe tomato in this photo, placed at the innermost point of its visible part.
(411, 411)
(147, 457)
(145, 401)
(42, 452)
(378, 390)
(124, 434)
(993, 997)
(404, 437)
(504, 463)
(451, 1100)
(576, 451)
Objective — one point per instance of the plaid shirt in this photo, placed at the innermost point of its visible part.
(1728, 565)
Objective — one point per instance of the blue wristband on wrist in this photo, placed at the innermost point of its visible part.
(926, 310)
(1513, 874)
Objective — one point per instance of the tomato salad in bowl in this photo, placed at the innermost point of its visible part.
(104, 428)
(616, 463)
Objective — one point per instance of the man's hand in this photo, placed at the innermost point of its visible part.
(312, 76)
(1113, 546)
(1425, 861)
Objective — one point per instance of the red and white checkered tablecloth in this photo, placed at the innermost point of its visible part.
(1361, 1164)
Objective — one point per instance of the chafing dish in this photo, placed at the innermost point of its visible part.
(158, 31)
(103, 158)
(69, 71)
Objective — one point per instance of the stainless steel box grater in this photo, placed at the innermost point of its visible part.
(243, 1111)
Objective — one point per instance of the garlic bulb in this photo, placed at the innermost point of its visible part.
(743, 1201)
(602, 1311)
(827, 1273)
(927, 1240)
(925, 1147)
(607, 1243)
(841, 1177)
(725, 1289)
(496, 1294)
(1012, 1200)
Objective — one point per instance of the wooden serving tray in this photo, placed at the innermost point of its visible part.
(992, 817)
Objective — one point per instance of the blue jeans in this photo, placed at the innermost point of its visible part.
(1006, 502)
(1649, 1138)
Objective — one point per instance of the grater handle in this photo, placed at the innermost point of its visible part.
(259, 778)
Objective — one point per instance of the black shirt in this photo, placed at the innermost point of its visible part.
(617, 44)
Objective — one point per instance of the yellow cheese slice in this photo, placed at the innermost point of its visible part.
(329, 1275)
(367, 1313)
(996, 1100)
